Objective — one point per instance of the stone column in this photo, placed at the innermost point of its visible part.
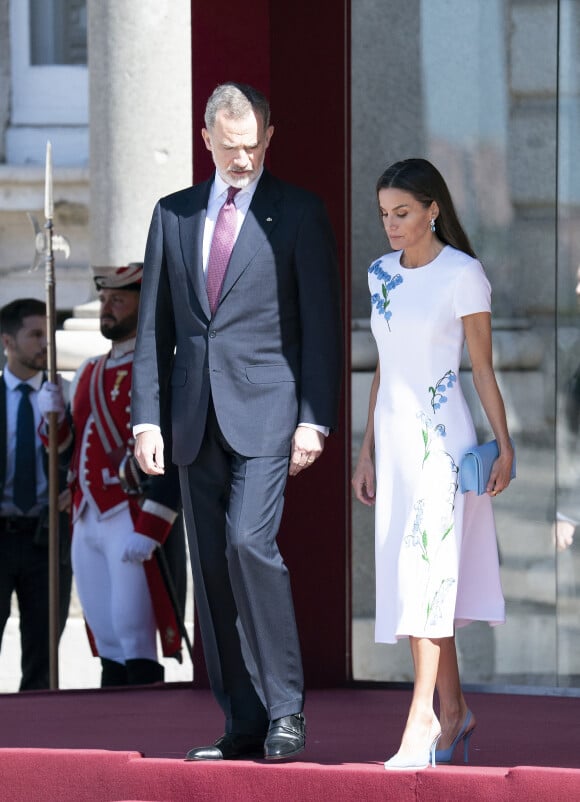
(140, 137)
(140, 118)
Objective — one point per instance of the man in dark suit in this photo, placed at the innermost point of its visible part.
(24, 492)
(254, 373)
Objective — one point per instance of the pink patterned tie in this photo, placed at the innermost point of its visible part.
(221, 248)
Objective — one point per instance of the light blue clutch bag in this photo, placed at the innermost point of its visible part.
(476, 464)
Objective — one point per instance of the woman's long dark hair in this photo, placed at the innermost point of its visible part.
(426, 184)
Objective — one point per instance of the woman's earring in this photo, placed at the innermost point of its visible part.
(432, 225)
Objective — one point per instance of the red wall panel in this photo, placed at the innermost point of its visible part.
(298, 55)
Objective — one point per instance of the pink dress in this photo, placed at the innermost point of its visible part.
(436, 553)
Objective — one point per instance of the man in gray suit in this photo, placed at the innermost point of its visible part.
(253, 368)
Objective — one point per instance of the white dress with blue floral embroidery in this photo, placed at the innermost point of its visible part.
(436, 553)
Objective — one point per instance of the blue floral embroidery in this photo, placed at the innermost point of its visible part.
(434, 607)
(429, 432)
(417, 536)
(427, 543)
(381, 300)
(438, 395)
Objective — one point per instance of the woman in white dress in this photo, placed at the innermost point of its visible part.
(436, 553)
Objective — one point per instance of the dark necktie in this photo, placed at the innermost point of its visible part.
(221, 248)
(24, 495)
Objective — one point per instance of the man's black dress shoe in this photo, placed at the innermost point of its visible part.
(286, 737)
(230, 747)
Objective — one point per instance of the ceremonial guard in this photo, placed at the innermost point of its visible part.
(127, 588)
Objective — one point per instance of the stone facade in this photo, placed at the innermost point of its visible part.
(140, 149)
(475, 87)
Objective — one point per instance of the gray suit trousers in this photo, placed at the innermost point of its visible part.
(233, 507)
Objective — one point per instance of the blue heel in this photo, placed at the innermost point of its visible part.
(445, 755)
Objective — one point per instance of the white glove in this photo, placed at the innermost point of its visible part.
(51, 399)
(138, 548)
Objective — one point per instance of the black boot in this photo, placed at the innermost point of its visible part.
(113, 674)
(144, 672)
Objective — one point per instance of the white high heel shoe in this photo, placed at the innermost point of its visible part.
(415, 762)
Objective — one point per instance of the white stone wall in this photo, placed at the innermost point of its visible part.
(140, 149)
(22, 191)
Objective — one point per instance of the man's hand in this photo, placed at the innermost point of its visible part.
(51, 399)
(149, 452)
(307, 446)
(138, 548)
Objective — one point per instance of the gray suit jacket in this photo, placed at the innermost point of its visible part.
(271, 354)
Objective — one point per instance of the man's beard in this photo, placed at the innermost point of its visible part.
(122, 330)
(239, 180)
(38, 362)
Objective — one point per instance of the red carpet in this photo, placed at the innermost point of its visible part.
(86, 746)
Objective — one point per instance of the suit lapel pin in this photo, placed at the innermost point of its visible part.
(268, 219)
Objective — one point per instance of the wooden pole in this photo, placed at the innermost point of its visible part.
(53, 479)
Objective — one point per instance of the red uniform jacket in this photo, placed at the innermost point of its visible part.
(100, 436)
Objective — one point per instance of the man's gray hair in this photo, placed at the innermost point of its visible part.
(237, 100)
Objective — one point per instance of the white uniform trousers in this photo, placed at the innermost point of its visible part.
(114, 594)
